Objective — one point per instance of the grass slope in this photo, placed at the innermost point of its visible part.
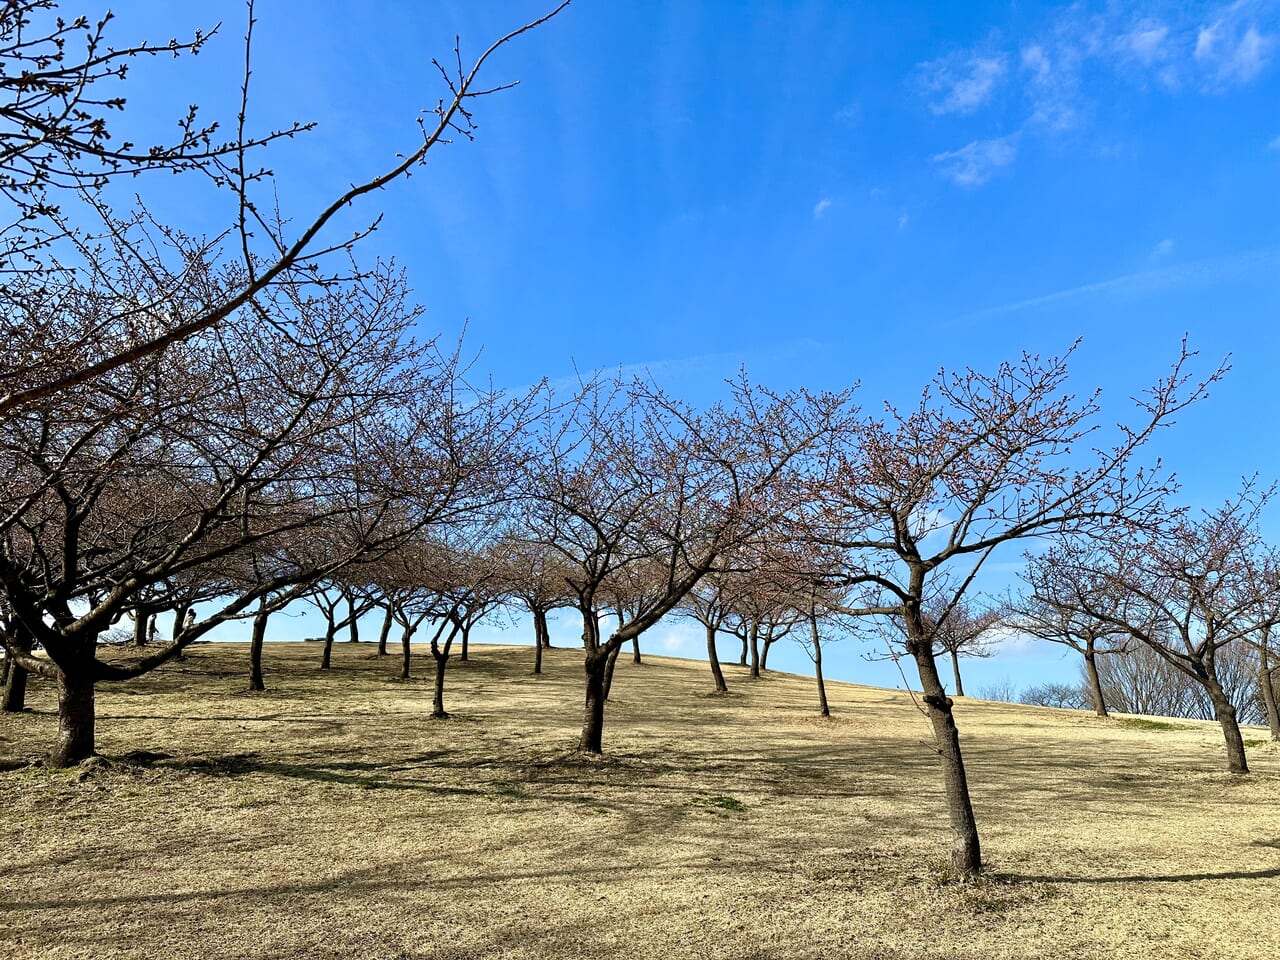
(329, 817)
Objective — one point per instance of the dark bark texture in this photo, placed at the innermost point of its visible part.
(594, 664)
(75, 720)
(255, 649)
(1095, 683)
(716, 673)
(15, 688)
(966, 850)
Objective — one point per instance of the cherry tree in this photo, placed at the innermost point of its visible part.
(326, 442)
(170, 401)
(1049, 610)
(926, 496)
(61, 80)
(1191, 589)
(533, 574)
(628, 477)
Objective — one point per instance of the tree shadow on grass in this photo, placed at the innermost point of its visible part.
(1270, 874)
(363, 774)
(372, 880)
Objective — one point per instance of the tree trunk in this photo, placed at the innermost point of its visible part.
(1266, 684)
(255, 647)
(635, 650)
(742, 657)
(15, 674)
(353, 625)
(330, 630)
(179, 621)
(179, 618)
(955, 668)
(405, 640)
(716, 673)
(539, 639)
(755, 651)
(608, 669)
(386, 629)
(1225, 712)
(764, 652)
(141, 621)
(15, 688)
(75, 720)
(966, 851)
(466, 636)
(593, 717)
(437, 701)
(1095, 683)
(823, 708)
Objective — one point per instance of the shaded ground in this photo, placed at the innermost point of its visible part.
(330, 817)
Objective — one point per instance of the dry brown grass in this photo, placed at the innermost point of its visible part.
(330, 818)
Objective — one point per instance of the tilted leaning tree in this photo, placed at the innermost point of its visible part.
(924, 497)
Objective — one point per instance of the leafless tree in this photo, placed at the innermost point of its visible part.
(710, 603)
(629, 477)
(1268, 679)
(1048, 610)
(329, 596)
(310, 444)
(62, 83)
(767, 603)
(533, 574)
(1190, 589)
(169, 402)
(983, 460)
(1065, 696)
(960, 629)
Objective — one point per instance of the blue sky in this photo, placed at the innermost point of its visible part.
(825, 192)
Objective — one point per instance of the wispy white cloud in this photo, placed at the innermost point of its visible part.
(1150, 282)
(678, 638)
(903, 221)
(1274, 144)
(976, 162)
(821, 207)
(1160, 250)
(1233, 53)
(961, 83)
(1036, 61)
(1147, 42)
(850, 114)
(700, 367)
(1049, 78)
(1051, 85)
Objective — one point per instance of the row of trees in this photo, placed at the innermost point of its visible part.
(192, 422)
(219, 427)
(1140, 681)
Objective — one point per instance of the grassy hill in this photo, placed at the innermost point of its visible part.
(329, 817)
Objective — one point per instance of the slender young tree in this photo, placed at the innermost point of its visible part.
(927, 496)
(1268, 678)
(1047, 611)
(710, 604)
(960, 630)
(532, 573)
